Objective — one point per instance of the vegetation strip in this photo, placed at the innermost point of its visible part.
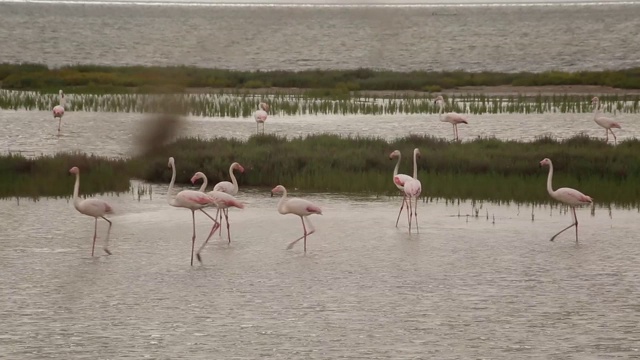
(482, 169)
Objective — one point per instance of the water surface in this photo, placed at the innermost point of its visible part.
(463, 288)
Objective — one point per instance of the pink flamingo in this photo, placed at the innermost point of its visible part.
(412, 190)
(604, 122)
(569, 196)
(222, 201)
(230, 188)
(192, 200)
(300, 207)
(400, 179)
(58, 110)
(452, 118)
(92, 207)
(261, 116)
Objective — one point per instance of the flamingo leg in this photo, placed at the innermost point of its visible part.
(226, 218)
(59, 123)
(95, 234)
(415, 213)
(454, 131)
(575, 223)
(220, 221)
(404, 200)
(193, 238)
(106, 242)
(410, 213)
(257, 128)
(606, 131)
(615, 139)
(215, 227)
(303, 236)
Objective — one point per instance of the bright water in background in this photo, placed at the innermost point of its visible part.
(464, 288)
(563, 36)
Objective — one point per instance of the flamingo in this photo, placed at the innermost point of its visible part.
(400, 179)
(412, 190)
(92, 207)
(300, 207)
(604, 122)
(452, 118)
(569, 196)
(261, 116)
(222, 201)
(192, 200)
(58, 110)
(230, 188)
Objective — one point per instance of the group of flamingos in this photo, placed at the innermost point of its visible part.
(222, 195)
(453, 118)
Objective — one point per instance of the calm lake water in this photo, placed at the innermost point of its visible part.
(463, 288)
(114, 134)
(473, 38)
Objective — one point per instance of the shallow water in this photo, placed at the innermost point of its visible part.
(464, 287)
(114, 134)
(496, 38)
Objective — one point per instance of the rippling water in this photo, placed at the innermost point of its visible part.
(473, 38)
(114, 134)
(463, 288)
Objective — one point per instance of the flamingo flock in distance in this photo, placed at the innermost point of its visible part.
(222, 197)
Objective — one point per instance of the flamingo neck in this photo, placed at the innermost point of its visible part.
(441, 110)
(596, 110)
(233, 179)
(205, 181)
(395, 170)
(62, 100)
(282, 208)
(415, 165)
(173, 180)
(76, 190)
(549, 179)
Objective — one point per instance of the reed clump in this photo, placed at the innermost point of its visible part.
(143, 78)
(480, 169)
(48, 175)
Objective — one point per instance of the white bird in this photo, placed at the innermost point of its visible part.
(412, 190)
(300, 207)
(604, 122)
(569, 196)
(400, 179)
(95, 208)
(58, 110)
(261, 116)
(230, 188)
(452, 118)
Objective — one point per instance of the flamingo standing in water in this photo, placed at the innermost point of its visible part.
(412, 190)
(230, 188)
(569, 196)
(452, 118)
(261, 116)
(222, 201)
(300, 207)
(92, 207)
(192, 200)
(58, 110)
(604, 122)
(400, 179)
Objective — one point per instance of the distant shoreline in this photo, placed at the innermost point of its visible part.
(100, 79)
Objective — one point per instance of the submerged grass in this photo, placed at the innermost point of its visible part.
(482, 169)
(114, 79)
(49, 175)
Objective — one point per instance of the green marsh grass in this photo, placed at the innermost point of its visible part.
(481, 169)
(141, 78)
(47, 175)
(244, 105)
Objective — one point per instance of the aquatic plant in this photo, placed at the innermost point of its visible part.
(143, 79)
(48, 175)
(481, 169)
(243, 105)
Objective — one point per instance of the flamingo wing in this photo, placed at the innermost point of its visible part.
(401, 179)
(260, 116)
(607, 123)
(572, 197)
(455, 118)
(413, 188)
(302, 207)
(224, 200)
(225, 186)
(95, 207)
